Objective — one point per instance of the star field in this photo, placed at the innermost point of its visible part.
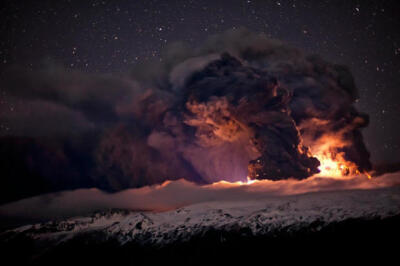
(114, 36)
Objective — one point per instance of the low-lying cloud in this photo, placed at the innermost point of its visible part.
(176, 194)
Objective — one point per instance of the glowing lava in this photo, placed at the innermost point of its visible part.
(332, 168)
(335, 166)
(332, 160)
(224, 183)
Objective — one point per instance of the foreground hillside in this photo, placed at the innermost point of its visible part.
(344, 227)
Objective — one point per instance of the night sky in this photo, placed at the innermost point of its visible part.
(114, 36)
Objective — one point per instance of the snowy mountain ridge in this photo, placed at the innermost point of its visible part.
(264, 216)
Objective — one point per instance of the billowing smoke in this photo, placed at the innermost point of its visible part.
(240, 105)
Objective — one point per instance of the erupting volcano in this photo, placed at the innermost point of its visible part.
(199, 132)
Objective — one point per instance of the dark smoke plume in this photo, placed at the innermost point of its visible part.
(241, 104)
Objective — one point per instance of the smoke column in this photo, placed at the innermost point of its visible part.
(239, 105)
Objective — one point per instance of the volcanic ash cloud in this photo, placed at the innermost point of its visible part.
(239, 105)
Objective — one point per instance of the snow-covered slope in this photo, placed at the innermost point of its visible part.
(264, 216)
